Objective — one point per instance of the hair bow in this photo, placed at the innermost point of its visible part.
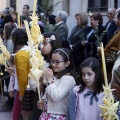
(51, 38)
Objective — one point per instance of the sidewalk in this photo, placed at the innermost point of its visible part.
(5, 115)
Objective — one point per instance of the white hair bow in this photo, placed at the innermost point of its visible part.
(51, 38)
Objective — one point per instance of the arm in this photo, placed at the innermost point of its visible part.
(9, 46)
(11, 84)
(111, 31)
(113, 45)
(56, 93)
(71, 106)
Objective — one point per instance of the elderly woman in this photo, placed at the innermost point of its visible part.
(82, 21)
(60, 27)
(77, 35)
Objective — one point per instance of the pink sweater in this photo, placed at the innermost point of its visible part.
(84, 110)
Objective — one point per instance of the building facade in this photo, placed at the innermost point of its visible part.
(70, 6)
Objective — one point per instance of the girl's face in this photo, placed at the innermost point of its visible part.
(88, 76)
(46, 48)
(94, 23)
(57, 63)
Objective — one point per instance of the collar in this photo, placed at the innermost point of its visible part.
(25, 47)
(92, 96)
(59, 22)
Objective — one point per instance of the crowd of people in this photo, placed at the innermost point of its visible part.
(74, 79)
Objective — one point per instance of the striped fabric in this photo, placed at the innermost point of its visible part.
(28, 100)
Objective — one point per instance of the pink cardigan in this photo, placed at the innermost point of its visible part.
(84, 110)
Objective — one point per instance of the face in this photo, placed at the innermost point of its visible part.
(94, 23)
(110, 14)
(13, 16)
(57, 19)
(88, 76)
(25, 10)
(78, 20)
(46, 48)
(58, 63)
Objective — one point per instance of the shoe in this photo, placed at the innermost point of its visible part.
(5, 108)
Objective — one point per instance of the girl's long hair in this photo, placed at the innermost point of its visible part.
(94, 64)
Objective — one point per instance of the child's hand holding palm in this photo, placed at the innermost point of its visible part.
(48, 73)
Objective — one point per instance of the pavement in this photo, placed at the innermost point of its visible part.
(5, 115)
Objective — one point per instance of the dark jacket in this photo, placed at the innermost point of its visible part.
(62, 30)
(111, 30)
(74, 37)
(94, 41)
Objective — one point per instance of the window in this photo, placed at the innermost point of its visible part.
(13, 4)
(97, 5)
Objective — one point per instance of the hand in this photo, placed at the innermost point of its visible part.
(83, 43)
(10, 71)
(11, 94)
(71, 47)
(99, 50)
(20, 98)
(40, 104)
(48, 73)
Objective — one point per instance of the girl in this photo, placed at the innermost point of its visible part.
(59, 85)
(85, 99)
(51, 42)
(22, 64)
(8, 28)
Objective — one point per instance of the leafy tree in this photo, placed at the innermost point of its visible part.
(47, 7)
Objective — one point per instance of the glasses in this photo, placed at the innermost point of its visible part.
(56, 62)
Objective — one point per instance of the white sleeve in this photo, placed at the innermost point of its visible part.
(57, 93)
(11, 84)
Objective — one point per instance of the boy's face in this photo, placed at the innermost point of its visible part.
(25, 10)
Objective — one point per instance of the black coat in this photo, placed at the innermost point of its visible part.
(111, 30)
(74, 36)
(94, 42)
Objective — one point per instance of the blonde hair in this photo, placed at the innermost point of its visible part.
(83, 16)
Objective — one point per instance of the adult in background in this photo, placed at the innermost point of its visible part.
(77, 36)
(25, 10)
(50, 23)
(61, 27)
(4, 13)
(82, 21)
(96, 35)
(110, 25)
(113, 47)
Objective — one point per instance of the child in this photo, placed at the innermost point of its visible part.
(51, 42)
(22, 64)
(59, 85)
(86, 98)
